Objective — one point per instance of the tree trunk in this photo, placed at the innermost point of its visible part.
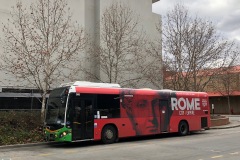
(229, 105)
(43, 107)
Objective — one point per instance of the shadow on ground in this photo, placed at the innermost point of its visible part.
(123, 140)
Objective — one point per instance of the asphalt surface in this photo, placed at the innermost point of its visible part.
(210, 144)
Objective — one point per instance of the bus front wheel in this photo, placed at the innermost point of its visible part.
(109, 134)
(183, 128)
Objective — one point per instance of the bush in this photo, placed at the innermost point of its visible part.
(20, 127)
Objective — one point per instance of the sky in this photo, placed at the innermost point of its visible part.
(225, 14)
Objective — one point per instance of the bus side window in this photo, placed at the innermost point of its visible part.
(108, 105)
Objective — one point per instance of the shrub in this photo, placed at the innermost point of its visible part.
(18, 127)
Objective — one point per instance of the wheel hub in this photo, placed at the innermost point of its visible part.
(109, 134)
(182, 128)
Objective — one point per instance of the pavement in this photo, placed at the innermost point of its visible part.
(234, 122)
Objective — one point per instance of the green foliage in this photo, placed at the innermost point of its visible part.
(20, 127)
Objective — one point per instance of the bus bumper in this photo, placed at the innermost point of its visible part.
(61, 135)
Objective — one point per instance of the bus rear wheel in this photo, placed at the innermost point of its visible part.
(109, 134)
(183, 128)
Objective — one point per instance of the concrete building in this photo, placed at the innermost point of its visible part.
(87, 13)
(222, 86)
(142, 9)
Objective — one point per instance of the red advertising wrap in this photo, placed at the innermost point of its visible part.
(108, 112)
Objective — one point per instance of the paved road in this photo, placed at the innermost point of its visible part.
(221, 144)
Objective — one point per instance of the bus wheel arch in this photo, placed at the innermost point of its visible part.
(183, 128)
(109, 134)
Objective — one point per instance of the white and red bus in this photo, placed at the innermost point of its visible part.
(82, 111)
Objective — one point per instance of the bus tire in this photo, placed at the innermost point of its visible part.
(183, 128)
(109, 134)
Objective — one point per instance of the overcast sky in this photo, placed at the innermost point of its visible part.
(224, 13)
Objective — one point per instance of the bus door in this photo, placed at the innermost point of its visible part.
(164, 115)
(83, 119)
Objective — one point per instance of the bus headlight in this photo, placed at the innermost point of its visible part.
(63, 134)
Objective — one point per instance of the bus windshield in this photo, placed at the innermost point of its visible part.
(55, 111)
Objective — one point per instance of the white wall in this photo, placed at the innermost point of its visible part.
(87, 13)
(143, 8)
(77, 10)
(147, 21)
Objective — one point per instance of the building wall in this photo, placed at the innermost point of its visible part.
(217, 89)
(221, 105)
(219, 85)
(148, 20)
(87, 13)
(143, 9)
(224, 83)
(6, 7)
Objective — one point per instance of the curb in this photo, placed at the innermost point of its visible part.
(225, 127)
(25, 145)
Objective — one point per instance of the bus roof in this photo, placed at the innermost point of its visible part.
(111, 88)
(91, 84)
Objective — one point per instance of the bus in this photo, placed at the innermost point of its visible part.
(85, 111)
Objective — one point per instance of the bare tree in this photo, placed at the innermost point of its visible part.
(121, 38)
(226, 82)
(149, 64)
(41, 43)
(191, 48)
